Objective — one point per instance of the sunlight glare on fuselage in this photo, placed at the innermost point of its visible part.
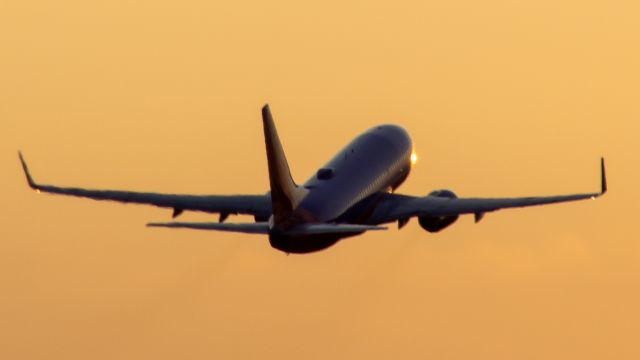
(414, 158)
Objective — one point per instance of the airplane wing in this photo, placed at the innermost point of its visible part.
(404, 207)
(256, 205)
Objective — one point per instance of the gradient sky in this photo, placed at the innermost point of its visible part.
(502, 98)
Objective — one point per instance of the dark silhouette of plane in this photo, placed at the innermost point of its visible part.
(353, 193)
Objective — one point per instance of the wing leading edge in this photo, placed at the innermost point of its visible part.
(404, 207)
(256, 205)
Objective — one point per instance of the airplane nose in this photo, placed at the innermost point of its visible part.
(395, 134)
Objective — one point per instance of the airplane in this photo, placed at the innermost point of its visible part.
(350, 195)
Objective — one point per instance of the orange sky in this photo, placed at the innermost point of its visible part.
(501, 99)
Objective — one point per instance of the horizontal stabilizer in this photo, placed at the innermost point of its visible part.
(247, 228)
(263, 228)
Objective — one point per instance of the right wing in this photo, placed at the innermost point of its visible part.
(401, 207)
(256, 205)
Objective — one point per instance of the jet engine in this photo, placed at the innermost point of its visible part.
(434, 224)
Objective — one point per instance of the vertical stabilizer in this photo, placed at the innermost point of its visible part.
(285, 195)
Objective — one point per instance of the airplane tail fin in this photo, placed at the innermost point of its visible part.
(285, 194)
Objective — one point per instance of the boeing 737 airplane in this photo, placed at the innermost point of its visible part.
(353, 193)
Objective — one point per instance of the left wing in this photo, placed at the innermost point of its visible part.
(256, 205)
(401, 207)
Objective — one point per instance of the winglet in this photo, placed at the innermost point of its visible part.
(603, 178)
(32, 183)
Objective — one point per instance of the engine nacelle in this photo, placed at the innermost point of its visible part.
(444, 193)
(436, 223)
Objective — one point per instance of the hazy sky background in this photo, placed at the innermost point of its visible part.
(502, 98)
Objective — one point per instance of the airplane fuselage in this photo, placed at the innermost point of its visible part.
(348, 188)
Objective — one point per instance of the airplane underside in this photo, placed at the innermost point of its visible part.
(307, 243)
